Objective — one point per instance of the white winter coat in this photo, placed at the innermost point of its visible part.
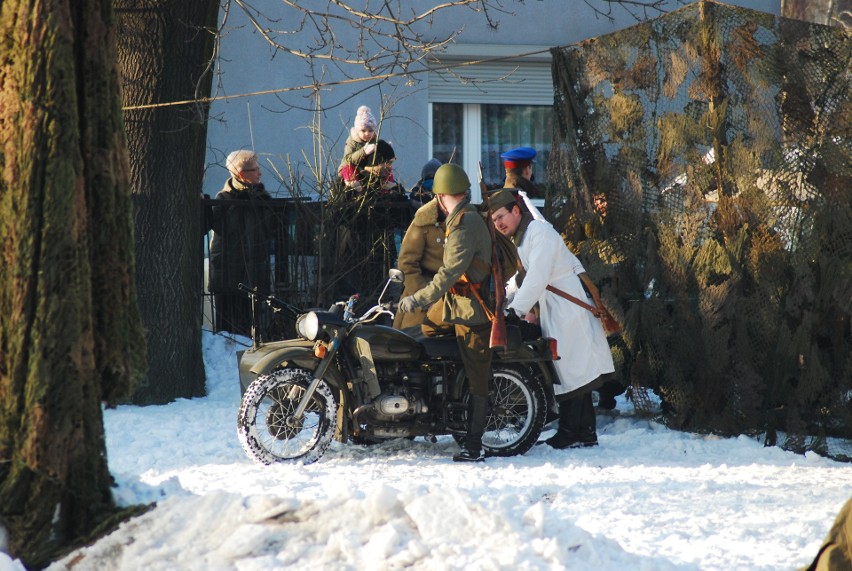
(581, 341)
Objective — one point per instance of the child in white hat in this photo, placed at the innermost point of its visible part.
(360, 144)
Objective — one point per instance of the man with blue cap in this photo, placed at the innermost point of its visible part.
(519, 166)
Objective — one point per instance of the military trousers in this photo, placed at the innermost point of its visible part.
(473, 343)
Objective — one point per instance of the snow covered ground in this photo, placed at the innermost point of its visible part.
(647, 498)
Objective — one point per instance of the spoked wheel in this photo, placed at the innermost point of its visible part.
(518, 411)
(268, 428)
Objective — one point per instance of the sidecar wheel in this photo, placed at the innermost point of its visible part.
(518, 411)
(266, 427)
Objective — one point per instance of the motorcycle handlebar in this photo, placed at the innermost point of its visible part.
(277, 304)
(348, 312)
(273, 302)
(348, 305)
(376, 311)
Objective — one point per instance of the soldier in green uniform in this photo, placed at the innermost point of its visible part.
(836, 552)
(421, 256)
(453, 305)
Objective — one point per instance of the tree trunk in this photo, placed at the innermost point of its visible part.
(70, 333)
(164, 48)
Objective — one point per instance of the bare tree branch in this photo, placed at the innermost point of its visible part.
(388, 38)
(639, 10)
(391, 39)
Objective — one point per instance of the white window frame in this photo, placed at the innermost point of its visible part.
(510, 60)
(472, 135)
(471, 139)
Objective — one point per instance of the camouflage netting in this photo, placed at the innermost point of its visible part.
(708, 166)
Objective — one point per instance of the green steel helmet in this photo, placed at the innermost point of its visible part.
(450, 179)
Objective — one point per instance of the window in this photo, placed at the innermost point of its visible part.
(490, 130)
(479, 111)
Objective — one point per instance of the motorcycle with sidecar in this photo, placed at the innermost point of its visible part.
(352, 378)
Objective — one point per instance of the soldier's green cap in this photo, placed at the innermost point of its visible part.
(450, 179)
(502, 197)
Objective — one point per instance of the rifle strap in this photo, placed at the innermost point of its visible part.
(480, 264)
(477, 264)
(570, 297)
(475, 291)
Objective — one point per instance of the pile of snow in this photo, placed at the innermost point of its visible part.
(646, 498)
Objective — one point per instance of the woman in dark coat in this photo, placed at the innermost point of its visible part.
(239, 251)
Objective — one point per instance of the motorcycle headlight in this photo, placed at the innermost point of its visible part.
(308, 326)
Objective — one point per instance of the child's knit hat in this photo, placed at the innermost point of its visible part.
(364, 119)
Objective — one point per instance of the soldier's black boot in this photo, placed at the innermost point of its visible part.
(471, 450)
(577, 424)
(588, 423)
(607, 393)
(566, 433)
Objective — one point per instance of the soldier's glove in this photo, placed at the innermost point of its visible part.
(408, 304)
(511, 318)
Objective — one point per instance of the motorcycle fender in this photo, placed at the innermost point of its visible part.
(301, 356)
(267, 358)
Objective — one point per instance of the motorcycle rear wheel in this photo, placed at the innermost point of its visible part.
(518, 412)
(270, 433)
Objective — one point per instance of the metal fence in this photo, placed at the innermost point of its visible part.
(308, 254)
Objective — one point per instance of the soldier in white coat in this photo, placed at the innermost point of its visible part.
(581, 341)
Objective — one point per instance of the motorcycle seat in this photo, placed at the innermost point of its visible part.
(445, 346)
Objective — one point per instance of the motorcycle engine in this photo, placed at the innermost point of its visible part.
(393, 405)
(402, 394)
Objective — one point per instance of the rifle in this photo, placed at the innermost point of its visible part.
(498, 324)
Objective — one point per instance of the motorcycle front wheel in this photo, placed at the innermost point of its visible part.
(518, 411)
(267, 427)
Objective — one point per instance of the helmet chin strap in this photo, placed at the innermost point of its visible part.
(440, 199)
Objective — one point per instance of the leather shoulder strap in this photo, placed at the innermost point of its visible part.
(570, 297)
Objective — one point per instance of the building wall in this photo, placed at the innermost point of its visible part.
(281, 127)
